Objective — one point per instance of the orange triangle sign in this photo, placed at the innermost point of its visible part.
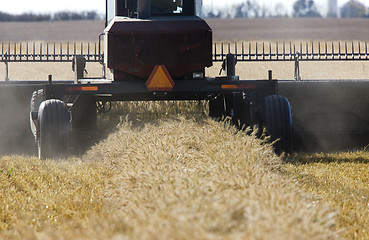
(160, 80)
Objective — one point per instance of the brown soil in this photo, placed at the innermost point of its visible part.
(51, 31)
(290, 29)
(223, 29)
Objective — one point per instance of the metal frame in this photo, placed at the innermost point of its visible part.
(37, 53)
(183, 90)
(15, 52)
(304, 52)
(292, 53)
(288, 52)
(248, 52)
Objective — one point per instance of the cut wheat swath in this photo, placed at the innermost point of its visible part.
(161, 175)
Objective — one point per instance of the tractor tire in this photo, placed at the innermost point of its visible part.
(217, 107)
(54, 127)
(278, 122)
(36, 100)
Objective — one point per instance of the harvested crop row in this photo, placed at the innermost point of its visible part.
(179, 178)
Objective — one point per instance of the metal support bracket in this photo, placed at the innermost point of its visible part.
(6, 67)
(229, 65)
(297, 67)
(78, 66)
(231, 62)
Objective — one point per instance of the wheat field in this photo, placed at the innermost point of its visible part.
(340, 180)
(165, 170)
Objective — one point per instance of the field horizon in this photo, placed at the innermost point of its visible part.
(268, 29)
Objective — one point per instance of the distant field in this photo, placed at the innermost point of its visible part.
(51, 31)
(223, 29)
(277, 29)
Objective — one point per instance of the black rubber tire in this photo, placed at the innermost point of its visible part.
(278, 122)
(217, 107)
(37, 99)
(54, 129)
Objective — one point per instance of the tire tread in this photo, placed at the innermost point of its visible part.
(278, 122)
(54, 129)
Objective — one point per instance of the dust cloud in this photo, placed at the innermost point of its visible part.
(15, 134)
(329, 116)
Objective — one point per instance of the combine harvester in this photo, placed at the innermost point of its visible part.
(159, 50)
